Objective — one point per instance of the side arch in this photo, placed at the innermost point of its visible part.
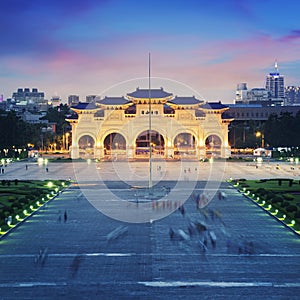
(86, 144)
(213, 145)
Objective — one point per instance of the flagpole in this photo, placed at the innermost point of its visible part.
(150, 125)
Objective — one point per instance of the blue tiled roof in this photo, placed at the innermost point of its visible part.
(84, 105)
(144, 93)
(244, 105)
(185, 100)
(72, 117)
(113, 101)
(213, 105)
(227, 116)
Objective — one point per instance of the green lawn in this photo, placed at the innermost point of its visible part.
(21, 198)
(281, 197)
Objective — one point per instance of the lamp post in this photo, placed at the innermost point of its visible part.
(261, 134)
(67, 141)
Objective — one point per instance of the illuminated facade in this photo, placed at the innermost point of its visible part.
(118, 127)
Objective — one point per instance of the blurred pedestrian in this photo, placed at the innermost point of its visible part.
(65, 216)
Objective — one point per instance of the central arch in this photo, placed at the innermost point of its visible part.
(142, 143)
(185, 144)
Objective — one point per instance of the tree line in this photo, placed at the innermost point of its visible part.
(278, 131)
(14, 132)
(283, 130)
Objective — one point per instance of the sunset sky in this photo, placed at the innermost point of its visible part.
(89, 47)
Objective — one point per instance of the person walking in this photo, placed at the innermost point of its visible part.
(65, 216)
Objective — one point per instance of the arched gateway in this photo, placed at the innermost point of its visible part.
(181, 126)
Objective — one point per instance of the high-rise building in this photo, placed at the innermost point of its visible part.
(275, 84)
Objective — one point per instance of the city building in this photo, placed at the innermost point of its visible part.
(119, 127)
(258, 112)
(275, 83)
(33, 96)
(272, 95)
(35, 118)
(73, 100)
(27, 100)
(292, 95)
(252, 96)
(90, 98)
(55, 101)
(241, 93)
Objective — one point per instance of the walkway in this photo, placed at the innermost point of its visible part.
(91, 256)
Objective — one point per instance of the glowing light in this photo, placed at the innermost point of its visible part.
(293, 222)
(2, 232)
(257, 198)
(18, 218)
(50, 184)
(89, 161)
(40, 161)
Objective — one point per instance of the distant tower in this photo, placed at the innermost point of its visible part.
(275, 84)
(241, 93)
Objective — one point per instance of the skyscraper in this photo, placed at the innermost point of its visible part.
(275, 84)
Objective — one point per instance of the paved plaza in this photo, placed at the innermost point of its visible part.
(243, 253)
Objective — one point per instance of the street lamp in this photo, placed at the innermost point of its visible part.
(261, 134)
(67, 140)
